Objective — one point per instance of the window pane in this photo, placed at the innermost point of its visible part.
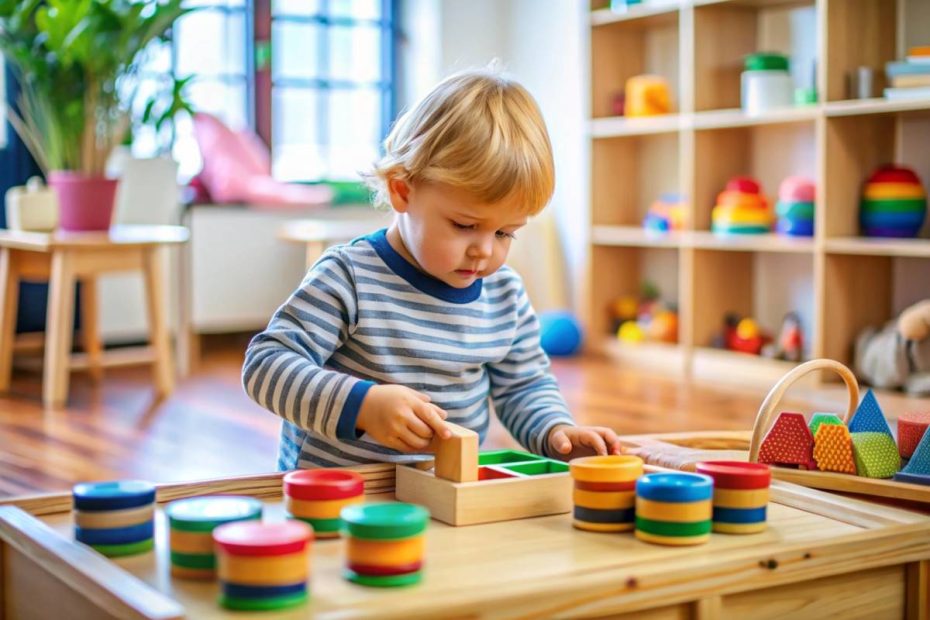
(358, 9)
(211, 42)
(295, 50)
(295, 7)
(220, 3)
(296, 139)
(355, 53)
(355, 131)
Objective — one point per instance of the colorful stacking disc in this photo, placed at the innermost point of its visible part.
(741, 495)
(604, 496)
(893, 204)
(192, 522)
(386, 545)
(387, 521)
(317, 496)
(254, 538)
(674, 508)
(114, 495)
(116, 518)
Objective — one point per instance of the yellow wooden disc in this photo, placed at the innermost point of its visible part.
(674, 541)
(602, 527)
(200, 574)
(610, 468)
(197, 543)
(893, 191)
(727, 215)
(741, 498)
(604, 500)
(109, 519)
(326, 535)
(319, 509)
(739, 528)
(263, 570)
(684, 512)
(385, 552)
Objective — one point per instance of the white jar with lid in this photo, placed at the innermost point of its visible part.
(766, 83)
(32, 207)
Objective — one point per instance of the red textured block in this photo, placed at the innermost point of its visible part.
(788, 442)
(911, 427)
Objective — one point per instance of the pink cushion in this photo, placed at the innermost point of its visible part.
(237, 168)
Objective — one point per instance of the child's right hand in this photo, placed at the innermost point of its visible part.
(401, 418)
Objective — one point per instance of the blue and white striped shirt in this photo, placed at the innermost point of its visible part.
(364, 315)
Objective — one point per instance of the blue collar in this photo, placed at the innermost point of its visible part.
(416, 278)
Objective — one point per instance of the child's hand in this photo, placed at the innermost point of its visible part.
(573, 441)
(401, 418)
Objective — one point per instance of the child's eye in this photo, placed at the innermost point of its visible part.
(463, 226)
(502, 234)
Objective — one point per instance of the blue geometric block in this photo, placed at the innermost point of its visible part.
(920, 460)
(869, 417)
(912, 478)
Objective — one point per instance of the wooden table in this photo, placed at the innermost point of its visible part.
(319, 234)
(63, 259)
(822, 555)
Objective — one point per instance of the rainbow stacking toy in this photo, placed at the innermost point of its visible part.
(317, 496)
(605, 492)
(741, 209)
(795, 207)
(894, 203)
(115, 518)
(741, 495)
(674, 508)
(385, 544)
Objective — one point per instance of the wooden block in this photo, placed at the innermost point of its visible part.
(468, 503)
(457, 456)
(788, 442)
(876, 454)
(911, 427)
(833, 449)
(869, 417)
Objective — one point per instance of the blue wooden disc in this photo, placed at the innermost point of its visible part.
(593, 515)
(236, 590)
(675, 487)
(739, 515)
(892, 220)
(113, 495)
(116, 535)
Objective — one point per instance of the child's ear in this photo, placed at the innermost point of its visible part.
(399, 192)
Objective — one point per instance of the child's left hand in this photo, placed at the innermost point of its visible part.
(570, 442)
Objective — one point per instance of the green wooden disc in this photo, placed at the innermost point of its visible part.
(263, 604)
(114, 551)
(321, 525)
(384, 581)
(193, 560)
(670, 528)
(203, 514)
(387, 521)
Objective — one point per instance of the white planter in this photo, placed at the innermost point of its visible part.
(32, 207)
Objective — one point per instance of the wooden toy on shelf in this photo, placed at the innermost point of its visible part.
(667, 213)
(741, 209)
(795, 207)
(646, 95)
(508, 484)
(894, 203)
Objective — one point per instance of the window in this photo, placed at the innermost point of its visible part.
(331, 81)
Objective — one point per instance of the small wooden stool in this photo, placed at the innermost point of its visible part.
(319, 234)
(63, 259)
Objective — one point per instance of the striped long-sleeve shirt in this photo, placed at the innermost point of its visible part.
(363, 316)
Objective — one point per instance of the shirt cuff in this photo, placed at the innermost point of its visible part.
(345, 428)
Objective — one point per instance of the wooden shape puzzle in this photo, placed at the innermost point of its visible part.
(876, 455)
(833, 449)
(911, 427)
(788, 442)
(823, 418)
(869, 417)
(457, 456)
(512, 485)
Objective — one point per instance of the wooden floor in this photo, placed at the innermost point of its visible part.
(208, 428)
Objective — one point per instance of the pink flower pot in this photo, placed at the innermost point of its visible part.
(85, 203)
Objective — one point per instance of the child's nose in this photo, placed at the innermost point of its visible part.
(481, 248)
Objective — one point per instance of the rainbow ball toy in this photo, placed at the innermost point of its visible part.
(116, 518)
(795, 207)
(263, 566)
(741, 209)
(317, 497)
(674, 508)
(894, 203)
(741, 495)
(605, 492)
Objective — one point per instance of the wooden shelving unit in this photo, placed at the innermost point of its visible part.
(838, 282)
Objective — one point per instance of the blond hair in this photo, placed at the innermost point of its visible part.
(477, 131)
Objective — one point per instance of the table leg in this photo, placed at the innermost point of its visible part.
(158, 325)
(90, 327)
(59, 327)
(9, 303)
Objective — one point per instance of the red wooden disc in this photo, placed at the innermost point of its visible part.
(736, 474)
(256, 538)
(399, 569)
(317, 484)
(893, 174)
(630, 485)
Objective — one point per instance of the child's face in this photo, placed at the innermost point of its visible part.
(450, 235)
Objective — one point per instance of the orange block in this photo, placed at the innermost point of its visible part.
(833, 449)
(457, 456)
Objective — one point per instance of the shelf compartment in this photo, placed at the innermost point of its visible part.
(628, 174)
(721, 366)
(634, 236)
(726, 32)
(620, 126)
(755, 243)
(917, 248)
(643, 15)
(768, 153)
(861, 33)
(723, 119)
(622, 49)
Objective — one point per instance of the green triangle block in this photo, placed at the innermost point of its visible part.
(823, 418)
(920, 460)
(876, 455)
(869, 417)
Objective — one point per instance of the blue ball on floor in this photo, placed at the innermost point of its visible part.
(559, 333)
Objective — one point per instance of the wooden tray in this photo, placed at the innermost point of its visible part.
(685, 450)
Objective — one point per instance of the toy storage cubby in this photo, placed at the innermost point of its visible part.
(700, 47)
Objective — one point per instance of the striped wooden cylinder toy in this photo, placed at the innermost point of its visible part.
(191, 523)
(741, 495)
(317, 497)
(385, 544)
(116, 518)
(674, 508)
(605, 492)
(893, 204)
(263, 566)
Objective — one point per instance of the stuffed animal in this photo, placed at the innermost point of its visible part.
(898, 354)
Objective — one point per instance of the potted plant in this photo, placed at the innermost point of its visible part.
(71, 57)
